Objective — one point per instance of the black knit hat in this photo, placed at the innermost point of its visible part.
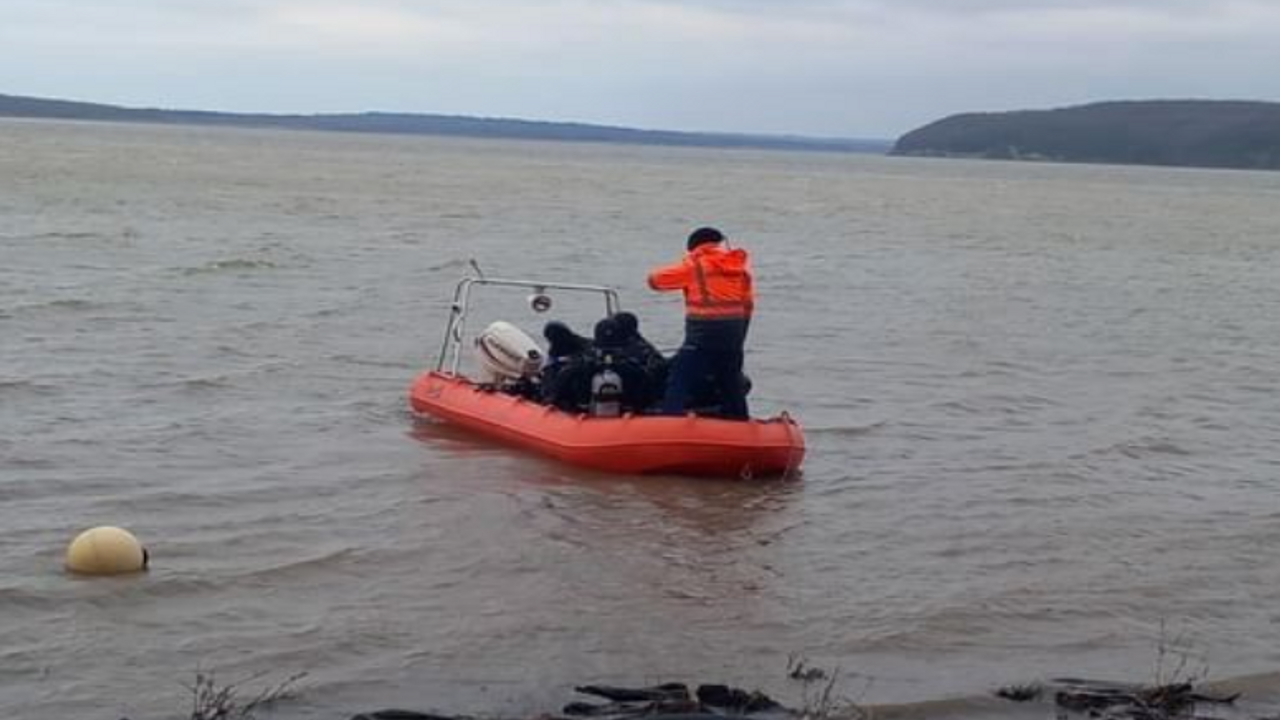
(704, 235)
(608, 334)
(628, 324)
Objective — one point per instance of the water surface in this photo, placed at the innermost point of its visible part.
(1041, 404)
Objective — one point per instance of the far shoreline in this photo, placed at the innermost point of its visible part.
(385, 123)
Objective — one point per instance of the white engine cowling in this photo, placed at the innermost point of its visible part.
(506, 353)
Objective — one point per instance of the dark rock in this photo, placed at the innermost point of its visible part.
(1020, 693)
(685, 716)
(586, 709)
(393, 714)
(739, 701)
(666, 691)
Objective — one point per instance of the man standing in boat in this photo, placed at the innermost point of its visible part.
(719, 299)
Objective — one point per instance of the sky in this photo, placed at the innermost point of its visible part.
(833, 68)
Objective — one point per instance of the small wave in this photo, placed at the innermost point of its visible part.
(845, 430)
(184, 584)
(1142, 448)
(365, 361)
(217, 382)
(160, 584)
(379, 410)
(1004, 404)
(233, 351)
(209, 380)
(63, 305)
(71, 304)
(16, 389)
(232, 265)
(70, 235)
(322, 561)
(18, 597)
(957, 407)
(13, 460)
(998, 368)
(17, 385)
(449, 265)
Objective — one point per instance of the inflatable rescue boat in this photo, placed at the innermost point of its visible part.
(492, 404)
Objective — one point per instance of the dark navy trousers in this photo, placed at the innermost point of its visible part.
(709, 366)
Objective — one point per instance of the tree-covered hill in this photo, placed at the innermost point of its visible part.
(1199, 133)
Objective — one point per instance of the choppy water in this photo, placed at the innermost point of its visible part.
(1042, 403)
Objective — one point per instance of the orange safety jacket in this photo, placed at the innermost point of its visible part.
(716, 282)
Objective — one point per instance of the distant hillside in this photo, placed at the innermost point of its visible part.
(1199, 133)
(414, 124)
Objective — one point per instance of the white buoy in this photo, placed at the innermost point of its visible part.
(106, 550)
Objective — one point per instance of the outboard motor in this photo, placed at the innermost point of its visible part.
(507, 354)
(606, 390)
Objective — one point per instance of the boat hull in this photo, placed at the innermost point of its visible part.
(635, 444)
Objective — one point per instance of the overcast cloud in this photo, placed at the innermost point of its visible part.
(854, 68)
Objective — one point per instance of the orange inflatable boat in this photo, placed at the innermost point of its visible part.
(627, 443)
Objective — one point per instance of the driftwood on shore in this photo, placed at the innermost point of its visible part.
(1069, 697)
(670, 701)
(1121, 701)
